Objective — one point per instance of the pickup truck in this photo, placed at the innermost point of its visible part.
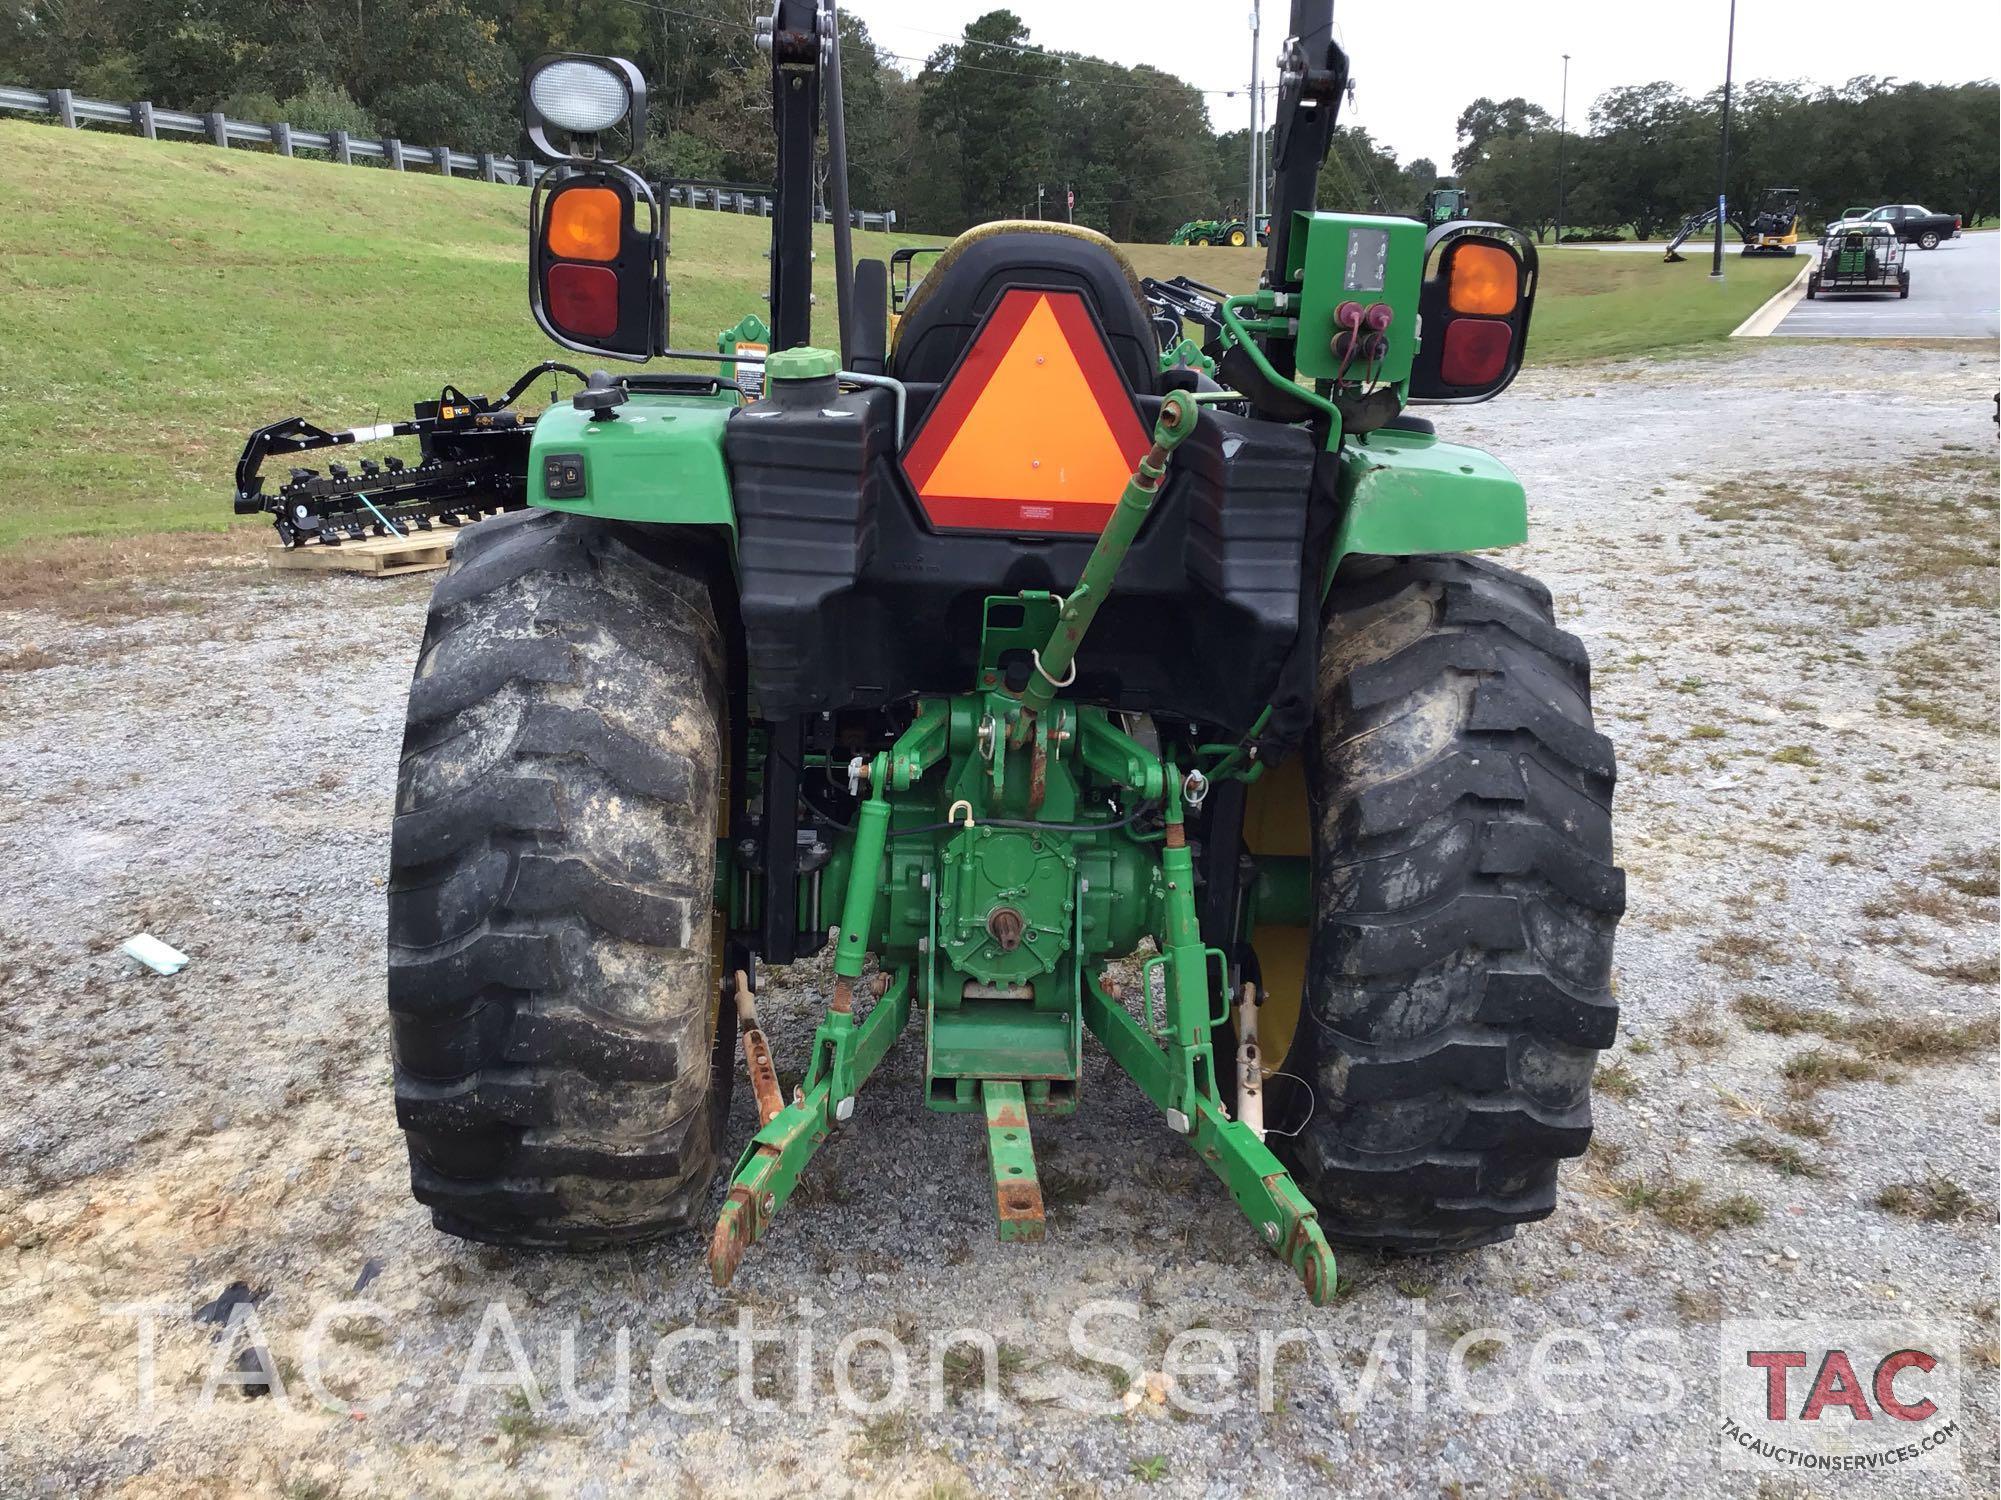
(1916, 225)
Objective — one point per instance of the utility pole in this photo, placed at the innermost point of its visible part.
(1562, 142)
(1257, 166)
(1263, 151)
(1723, 158)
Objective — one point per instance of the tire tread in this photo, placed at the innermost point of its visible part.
(551, 860)
(1460, 967)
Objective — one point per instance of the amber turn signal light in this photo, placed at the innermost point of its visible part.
(584, 224)
(1484, 280)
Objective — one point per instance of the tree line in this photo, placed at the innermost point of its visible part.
(1649, 153)
(991, 124)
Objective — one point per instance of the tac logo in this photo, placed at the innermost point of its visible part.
(1825, 1396)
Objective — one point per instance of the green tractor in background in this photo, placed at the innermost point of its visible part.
(1061, 695)
(1445, 205)
(1235, 233)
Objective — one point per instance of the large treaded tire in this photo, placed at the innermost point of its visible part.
(551, 995)
(1458, 983)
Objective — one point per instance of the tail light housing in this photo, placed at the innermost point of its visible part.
(1474, 304)
(597, 259)
(597, 277)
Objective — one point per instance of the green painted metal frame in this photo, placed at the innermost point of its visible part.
(998, 1058)
(1401, 493)
(1177, 1071)
(1011, 1150)
(1405, 493)
(1257, 1180)
(660, 459)
(845, 1053)
(1320, 265)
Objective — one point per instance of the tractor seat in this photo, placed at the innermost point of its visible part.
(947, 307)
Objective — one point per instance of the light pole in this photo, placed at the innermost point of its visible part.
(1723, 157)
(1251, 197)
(1562, 138)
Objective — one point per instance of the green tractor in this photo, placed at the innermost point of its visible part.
(1071, 701)
(1236, 233)
(1443, 206)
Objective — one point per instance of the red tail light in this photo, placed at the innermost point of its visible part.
(1476, 351)
(583, 300)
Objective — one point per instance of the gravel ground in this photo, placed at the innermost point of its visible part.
(1783, 561)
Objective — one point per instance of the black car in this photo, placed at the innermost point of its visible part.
(1917, 225)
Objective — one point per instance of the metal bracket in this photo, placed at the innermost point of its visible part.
(1017, 1193)
(1257, 1180)
(844, 1055)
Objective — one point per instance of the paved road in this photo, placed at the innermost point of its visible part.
(1955, 293)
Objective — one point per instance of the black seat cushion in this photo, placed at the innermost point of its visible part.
(948, 306)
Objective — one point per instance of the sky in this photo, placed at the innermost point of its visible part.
(1416, 66)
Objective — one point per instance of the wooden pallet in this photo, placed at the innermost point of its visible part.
(378, 557)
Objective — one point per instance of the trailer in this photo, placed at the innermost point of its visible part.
(1862, 257)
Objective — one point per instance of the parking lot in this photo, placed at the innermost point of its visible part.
(1954, 295)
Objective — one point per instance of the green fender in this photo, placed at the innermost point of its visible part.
(659, 460)
(1406, 492)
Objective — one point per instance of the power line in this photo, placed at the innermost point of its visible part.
(966, 41)
(738, 28)
(1199, 184)
(1369, 170)
(1367, 166)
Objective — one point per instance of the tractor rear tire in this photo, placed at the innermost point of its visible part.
(1458, 979)
(553, 1006)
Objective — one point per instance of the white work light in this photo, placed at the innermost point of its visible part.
(583, 98)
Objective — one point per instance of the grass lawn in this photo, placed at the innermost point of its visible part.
(158, 300)
(1595, 303)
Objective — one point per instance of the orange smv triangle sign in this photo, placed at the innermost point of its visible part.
(1035, 430)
